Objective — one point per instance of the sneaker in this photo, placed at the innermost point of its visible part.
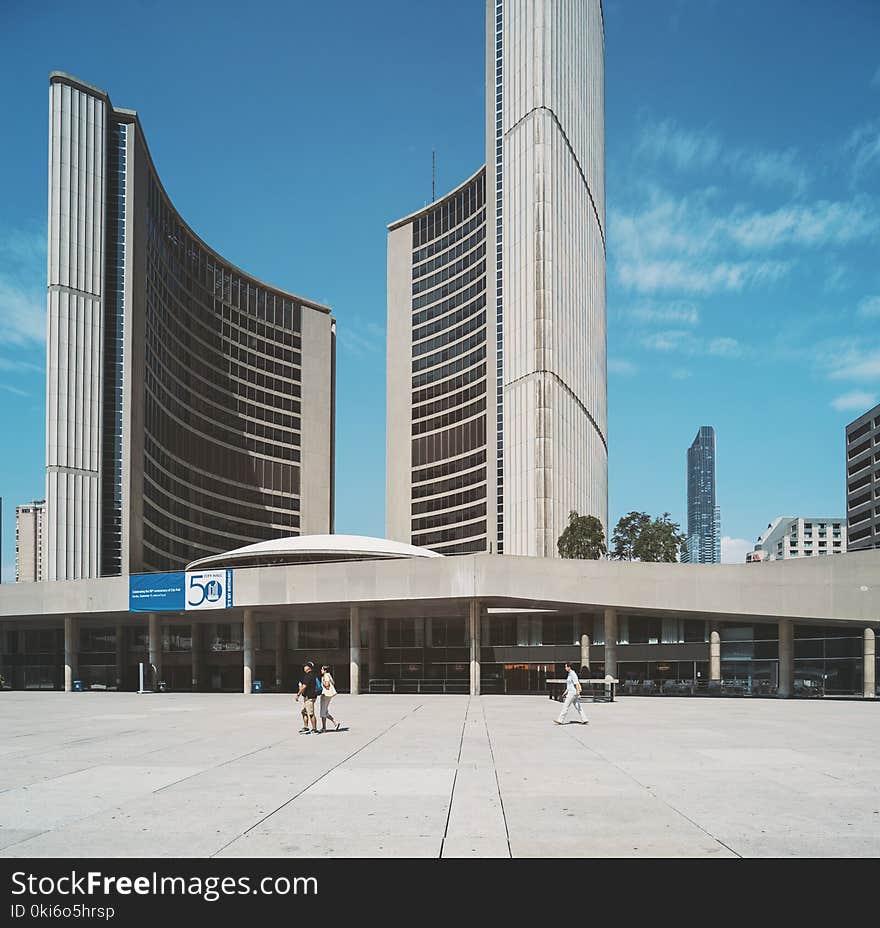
(339, 723)
(587, 721)
(305, 731)
(556, 722)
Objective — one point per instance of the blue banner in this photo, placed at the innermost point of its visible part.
(156, 592)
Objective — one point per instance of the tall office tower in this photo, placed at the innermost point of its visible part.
(29, 524)
(704, 516)
(863, 481)
(190, 407)
(497, 398)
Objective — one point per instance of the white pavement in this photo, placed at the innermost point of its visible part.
(122, 775)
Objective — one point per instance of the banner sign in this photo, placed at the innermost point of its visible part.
(179, 592)
(209, 589)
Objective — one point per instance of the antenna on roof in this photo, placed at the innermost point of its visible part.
(433, 173)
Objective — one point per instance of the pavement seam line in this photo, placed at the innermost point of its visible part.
(327, 772)
(467, 709)
(497, 781)
(648, 789)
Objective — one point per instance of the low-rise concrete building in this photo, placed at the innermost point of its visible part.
(390, 619)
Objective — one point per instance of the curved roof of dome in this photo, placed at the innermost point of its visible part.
(310, 549)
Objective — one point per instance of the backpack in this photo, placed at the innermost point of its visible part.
(318, 688)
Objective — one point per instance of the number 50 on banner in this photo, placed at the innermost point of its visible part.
(208, 589)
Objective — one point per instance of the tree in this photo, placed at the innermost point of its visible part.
(626, 534)
(583, 538)
(659, 540)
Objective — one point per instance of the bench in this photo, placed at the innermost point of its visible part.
(607, 684)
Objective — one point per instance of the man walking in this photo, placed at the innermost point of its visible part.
(572, 696)
(308, 689)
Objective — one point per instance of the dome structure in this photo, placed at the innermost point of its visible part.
(311, 549)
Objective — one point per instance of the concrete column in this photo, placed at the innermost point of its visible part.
(71, 651)
(786, 657)
(373, 646)
(585, 651)
(280, 653)
(120, 656)
(474, 626)
(869, 653)
(197, 634)
(155, 635)
(714, 654)
(250, 649)
(354, 641)
(611, 642)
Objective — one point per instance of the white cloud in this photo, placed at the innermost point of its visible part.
(22, 315)
(702, 149)
(15, 390)
(870, 306)
(621, 366)
(686, 244)
(810, 225)
(670, 340)
(855, 400)
(682, 313)
(680, 373)
(725, 348)
(856, 364)
(734, 550)
(652, 276)
(863, 148)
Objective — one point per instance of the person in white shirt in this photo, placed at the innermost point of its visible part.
(572, 696)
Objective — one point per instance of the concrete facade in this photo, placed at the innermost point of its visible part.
(369, 617)
(799, 536)
(863, 481)
(190, 407)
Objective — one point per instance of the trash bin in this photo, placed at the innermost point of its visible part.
(77, 686)
(257, 686)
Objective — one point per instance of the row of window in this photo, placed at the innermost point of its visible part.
(449, 468)
(448, 386)
(475, 322)
(419, 270)
(451, 443)
(456, 235)
(447, 419)
(449, 502)
(445, 322)
(476, 272)
(455, 533)
(261, 484)
(443, 307)
(447, 370)
(453, 210)
(453, 351)
(450, 400)
(425, 283)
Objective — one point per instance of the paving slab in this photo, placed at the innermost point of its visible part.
(117, 774)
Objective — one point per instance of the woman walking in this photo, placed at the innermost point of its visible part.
(328, 691)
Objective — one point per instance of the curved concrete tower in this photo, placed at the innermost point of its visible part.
(512, 285)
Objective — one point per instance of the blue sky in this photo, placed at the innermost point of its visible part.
(743, 185)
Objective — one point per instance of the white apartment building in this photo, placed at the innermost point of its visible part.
(799, 536)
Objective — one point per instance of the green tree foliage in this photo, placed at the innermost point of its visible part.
(626, 534)
(638, 537)
(661, 540)
(583, 538)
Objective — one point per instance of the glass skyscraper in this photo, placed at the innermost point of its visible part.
(704, 516)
